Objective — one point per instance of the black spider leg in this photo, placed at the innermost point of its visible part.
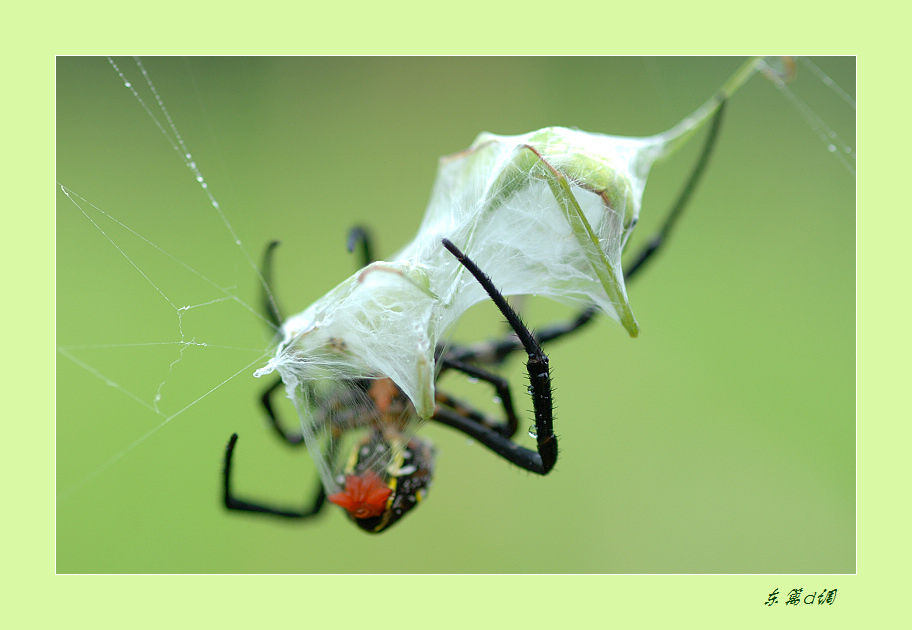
(360, 236)
(267, 298)
(312, 507)
(292, 439)
(270, 305)
(507, 427)
(543, 460)
(661, 237)
(357, 236)
(499, 350)
(273, 312)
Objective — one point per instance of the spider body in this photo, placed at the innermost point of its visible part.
(375, 503)
(388, 470)
(375, 497)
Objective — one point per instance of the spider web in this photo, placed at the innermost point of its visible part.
(191, 317)
(161, 335)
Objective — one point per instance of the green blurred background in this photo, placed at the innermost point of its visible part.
(720, 440)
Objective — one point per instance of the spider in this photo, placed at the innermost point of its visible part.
(374, 503)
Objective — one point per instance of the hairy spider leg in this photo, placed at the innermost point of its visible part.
(543, 460)
(501, 386)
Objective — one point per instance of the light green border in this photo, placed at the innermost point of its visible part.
(529, 601)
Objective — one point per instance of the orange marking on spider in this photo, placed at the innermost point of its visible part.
(364, 495)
